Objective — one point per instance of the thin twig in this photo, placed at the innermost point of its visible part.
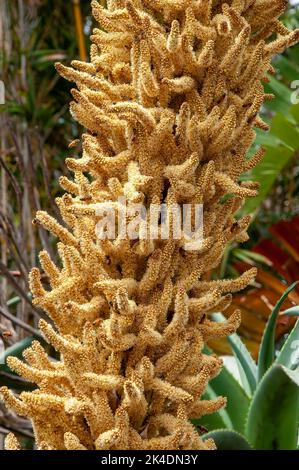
(13, 180)
(12, 281)
(20, 323)
(13, 240)
(22, 432)
(15, 378)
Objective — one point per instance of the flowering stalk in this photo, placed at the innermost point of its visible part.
(170, 101)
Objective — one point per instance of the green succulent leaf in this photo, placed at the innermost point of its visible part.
(292, 312)
(14, 301)
(272, 422)
(7, 377)
(232, 416)
(14, 382)
(226, 385)
(246, 365)
(289, 354)
(16, 350)
(267, 348)
(228, 440)
(249, 256)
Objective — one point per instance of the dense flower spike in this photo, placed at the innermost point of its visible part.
(170, 101)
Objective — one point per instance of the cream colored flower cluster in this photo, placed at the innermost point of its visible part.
(170, 100)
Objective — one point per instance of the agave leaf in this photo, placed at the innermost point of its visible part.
(267, 348)
(289, 354)
(292, 312)
(16, 350)
(228, 440)
(272, 422)
(232, 416)
(218, 420)
(14, 301)
(226, 385)
(247, 255)
(14, 382)
(7, 376)
(246, 365)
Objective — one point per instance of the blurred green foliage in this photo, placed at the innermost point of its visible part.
(280, 164)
